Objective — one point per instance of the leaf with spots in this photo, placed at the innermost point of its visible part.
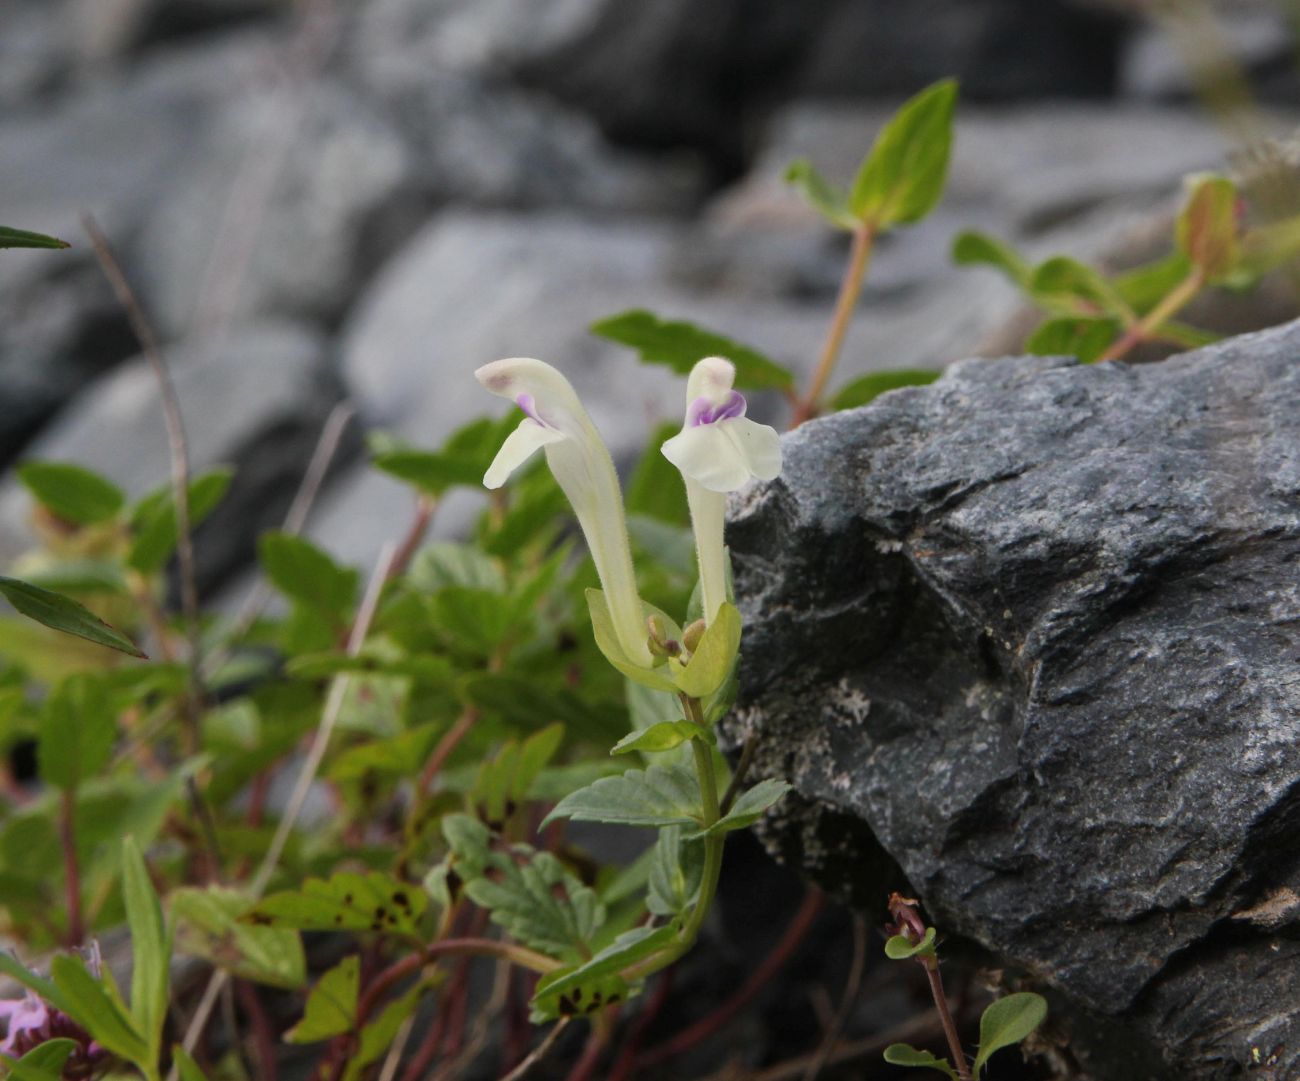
(208, 926)
(346, 902)
(597, 983)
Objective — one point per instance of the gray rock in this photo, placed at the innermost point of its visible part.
(107, 30)
(255, 401)
(1030, 636)
(34, 58)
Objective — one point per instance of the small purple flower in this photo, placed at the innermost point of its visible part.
(704, 411)
(31, 1021)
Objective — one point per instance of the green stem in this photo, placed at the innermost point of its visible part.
(1145, 329)
(864, 239)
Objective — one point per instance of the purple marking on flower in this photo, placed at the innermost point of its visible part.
(702, 411)
(528, 404)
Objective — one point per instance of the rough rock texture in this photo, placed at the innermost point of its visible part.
(1033, 633)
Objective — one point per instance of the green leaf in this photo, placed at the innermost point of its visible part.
(153, 521)
(655, 489)
(903, 177)
(602, 626)
(1207, 226)
(332, 1005)
(1265, 248)
(304, 573)
(1068, 287)
(1146, 286)
(900, 947)
(714, 657)
(208, 926)
(902, 1054)
(42, 1063)
(150, 947)
(429, 471)
(869, 387)
(823, 196)
(749, 808)
(676, 869)
(503, 781)
(444, 564)
(186, 1066)
(78, 730)
(72, 493)
(88, 1003)
(657, 796)
(1189, 337)
(972, 248)
(539, 903)
(347, 901)
(583, 989)
(679, 345)
(662, 736)
(62, 613)
(1073, 336)
(378, 1036)
(22, 238)
(1008, 1021)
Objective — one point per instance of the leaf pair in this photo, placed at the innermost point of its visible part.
(1005, 1023)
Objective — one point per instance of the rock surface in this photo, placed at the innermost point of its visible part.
(1032, 637)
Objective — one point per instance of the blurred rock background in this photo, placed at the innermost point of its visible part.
(327, 199)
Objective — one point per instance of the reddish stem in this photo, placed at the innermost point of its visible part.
(263, 1036)
(451, 738)
(71, 873)
(627, 1059)
(772, 964)
(590, 1059)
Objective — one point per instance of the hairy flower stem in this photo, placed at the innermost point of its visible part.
(1147, 328)
(931, 965)
(864, 239)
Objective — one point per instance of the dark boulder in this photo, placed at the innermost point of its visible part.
(1029, 641)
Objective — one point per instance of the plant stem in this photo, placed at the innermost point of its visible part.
(864, 239)
(1145, 328)
(931, 965)
(71, 873)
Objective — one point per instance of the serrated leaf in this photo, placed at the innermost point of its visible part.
(678, 345)
(539, 903)
(902, 1054)
(1008, 1021)
(749, 808)
(503, 781)
(676, 869)
(153, 520)
(150, 948)
(1068, 287)
(331, 1008)
(306, 574)
(72, 492)
(972, 248)
(903, 177)
(823, 196)
(1207, 229)
(869, 387)
(89, 1004)
(1081, 337)
(24, 238)
(714, 657)
(658, 796)
(347, 901)
(208, 926)
(662, 736)
(78, 730)
(900, 947)
(574, 991)
(398, 757)
(62, 613)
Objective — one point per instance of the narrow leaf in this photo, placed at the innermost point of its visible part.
(829, 201)
(749, 808)
(679, 345)
(62, 613)
(186, 1066)
(972, 248)
(902, 1054)
(150, 950)
(23, 238)
(71, 492)
(89, 1004)
(903, 177)
(1008, 1021)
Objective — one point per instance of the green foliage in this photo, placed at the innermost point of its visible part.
(903, 177)
(869, 387)
(902, 1054)
(657, 796)
(208, 926)
(1206, 230)
(537, 901)
(823, 196)
(78, 729)
(595, 984)
(62, 613)
(1081, 336)
(332, 1005)
(306, 575)
(22, 238)
(346, 901)
(71, 492)
(150, 948)
(661, 736)
(900, 947)
(679, 345)
(1008, 1021)
(153, 519)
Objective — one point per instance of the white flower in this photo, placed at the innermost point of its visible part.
(557, 423)
(718, 450)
